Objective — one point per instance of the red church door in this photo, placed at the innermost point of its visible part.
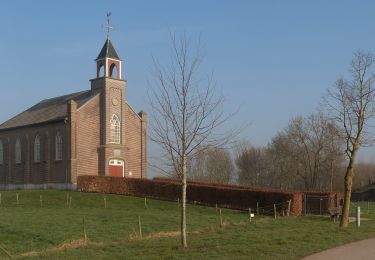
(116, 168)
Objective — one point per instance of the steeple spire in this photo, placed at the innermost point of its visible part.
(108, 26)
(108, 51)
(108, 63)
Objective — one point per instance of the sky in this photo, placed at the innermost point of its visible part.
(271, 60)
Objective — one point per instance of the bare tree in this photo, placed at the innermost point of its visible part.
(352, 104)
(212, 165)
(334, 154)
(186, 113)
(282, 163)
(365, 175)
(314, 148)
(302, 156)
(251, 164)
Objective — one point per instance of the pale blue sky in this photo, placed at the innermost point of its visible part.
(273, 58)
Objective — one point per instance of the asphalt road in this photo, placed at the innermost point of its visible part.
(362, 250)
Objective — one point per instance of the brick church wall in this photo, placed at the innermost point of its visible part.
(135, 140)
(48, 170)
(112, 99)
(88, 137)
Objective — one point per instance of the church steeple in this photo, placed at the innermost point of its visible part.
(108, 63)
(108, 51)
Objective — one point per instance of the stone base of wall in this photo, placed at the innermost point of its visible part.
(57, 186)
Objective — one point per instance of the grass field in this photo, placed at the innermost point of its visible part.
(53, 230)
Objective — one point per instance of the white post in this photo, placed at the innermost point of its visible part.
(358, 216)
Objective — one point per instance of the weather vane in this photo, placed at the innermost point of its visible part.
(108, 26)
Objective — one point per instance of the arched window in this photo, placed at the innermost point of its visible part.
(59, 148)
(17, 151)
(37, 149)
(1, 152)
(115, 130)
(113, 73)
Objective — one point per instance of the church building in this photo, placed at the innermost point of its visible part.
(91, 132)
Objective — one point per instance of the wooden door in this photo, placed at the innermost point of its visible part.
(116, 168)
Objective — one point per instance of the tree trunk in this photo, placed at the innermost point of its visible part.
(331, 184)
(348, 190)
(183, 206)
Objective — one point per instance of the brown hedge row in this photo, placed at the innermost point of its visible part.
(253, 188)
(332, 200)
(229, 196)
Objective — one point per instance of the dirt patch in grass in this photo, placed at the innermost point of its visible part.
(262, 220)
(73, 244)
(135, 236)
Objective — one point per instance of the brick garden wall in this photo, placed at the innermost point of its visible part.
(229, 196)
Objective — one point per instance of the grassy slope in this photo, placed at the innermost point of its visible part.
(29, 227)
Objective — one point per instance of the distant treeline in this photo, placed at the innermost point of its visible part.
(307, 155)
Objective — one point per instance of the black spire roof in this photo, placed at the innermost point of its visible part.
(108, 51)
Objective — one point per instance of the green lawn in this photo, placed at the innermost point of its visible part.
(113, 231)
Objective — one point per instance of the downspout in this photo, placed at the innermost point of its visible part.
(141, 148)
(66, 120)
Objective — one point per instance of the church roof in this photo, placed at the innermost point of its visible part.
(47, 110)
(108, 51)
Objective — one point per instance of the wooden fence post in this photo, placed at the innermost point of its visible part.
(140, 227)
(249, 214)
(221, 218)
(257, 208)
(289, 203)
(274, 210)
(145, 202)
(41, 200)
(320, 206)
(84, 230)
(17, 199)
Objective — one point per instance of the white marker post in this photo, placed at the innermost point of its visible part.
(358, 216)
